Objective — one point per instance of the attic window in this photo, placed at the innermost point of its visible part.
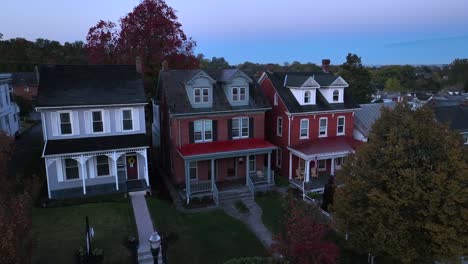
(201, 95)
(238, 94)
(336, 96)
(307, 97)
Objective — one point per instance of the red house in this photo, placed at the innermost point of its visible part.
(312, 122)
(212, 132)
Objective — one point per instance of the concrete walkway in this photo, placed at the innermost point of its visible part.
(144, 226)
(253, 219)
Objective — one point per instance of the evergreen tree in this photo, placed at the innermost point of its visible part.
(357, 77)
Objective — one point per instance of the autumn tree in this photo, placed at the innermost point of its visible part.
(405, 192)
(303, 239)
(14, 219)
(358, 78)
(151, 31)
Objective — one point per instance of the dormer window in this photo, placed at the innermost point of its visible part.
(336, 96)
(238, 94)
(201, 95)
(307, 97)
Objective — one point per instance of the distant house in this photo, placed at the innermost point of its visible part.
(9, 118)
(212, 133)
(24, 85)
(312, 123)
(93, 120)
(456, 116)
(366, 117)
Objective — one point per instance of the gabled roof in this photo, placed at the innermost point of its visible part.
(455, 116)
(75, 85)
(296, 79)
(369, 113)
(172, 85)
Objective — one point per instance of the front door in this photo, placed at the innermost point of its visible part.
(132, 167)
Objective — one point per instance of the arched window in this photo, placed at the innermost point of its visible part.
(336, 96)
(307, 97)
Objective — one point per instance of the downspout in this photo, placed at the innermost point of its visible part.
(178, 127)
(289, 129)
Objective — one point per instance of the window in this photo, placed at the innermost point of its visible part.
(203, 130)
(304, 128)
(275, 99)
(307, 97)
(279, 158)
(322, 165)
(242, 93)
(102, 165)
(240, 127)
(65, 124)
(252, 164)
(340, 130)
(201, 95)
(338, 162)
(323, 127)
(193, 171)
(127, 122)
(279, 127)
(238, 94)
(336, 96)
(97, 122)
(71, 169)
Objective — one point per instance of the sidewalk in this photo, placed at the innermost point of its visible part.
(144, 226)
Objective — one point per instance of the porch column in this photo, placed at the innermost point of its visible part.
(269, 167)
(290, 165)
(187, 180)
(114, 158)
(47, 163)
(307, 170)
(332, 167)
(212, 175)
(247, 169)
(145, 168)
(83, 172)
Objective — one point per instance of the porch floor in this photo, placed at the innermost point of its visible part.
(316, 184)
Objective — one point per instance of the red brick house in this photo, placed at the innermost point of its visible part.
(212, 132)
(312, 122)
(24, 84)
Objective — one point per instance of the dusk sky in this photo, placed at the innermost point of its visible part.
(380, 31)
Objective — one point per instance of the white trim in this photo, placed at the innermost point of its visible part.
(39, 108)
(96, 167)
(309, 97)
(249, 111)
(279, 128)
(121, 120)
(326, 127)
(240, 127)
(203, 131)
(279, 157)
(201, 95)
(59, 123)
(324, 163)
(92, 121)
(300, 129)
(64, 167)
(135, 119)
(238, 94)
(98, 152)
(196, 170)
(254, 169)
(338, 125)
(275, 99)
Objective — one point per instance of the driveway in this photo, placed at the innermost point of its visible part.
(28, 149)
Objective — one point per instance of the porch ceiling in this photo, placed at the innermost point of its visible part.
(92, 144)
(326, 147)
(227, 148)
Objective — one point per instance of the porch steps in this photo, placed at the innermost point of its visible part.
(241, 193)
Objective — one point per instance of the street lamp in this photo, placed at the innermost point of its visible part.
(155, 244)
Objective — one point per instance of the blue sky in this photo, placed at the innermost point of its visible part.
(380, 31)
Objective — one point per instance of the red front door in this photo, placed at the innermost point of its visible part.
(132, 167)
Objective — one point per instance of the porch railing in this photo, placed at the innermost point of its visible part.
(200, 186)
(251, 185)
(215, 193)
(262, 178)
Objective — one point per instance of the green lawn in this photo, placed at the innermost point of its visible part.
(57, 233)
(206, 237)
(273, 211)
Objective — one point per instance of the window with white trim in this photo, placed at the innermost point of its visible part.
(340, 129)
(336, 96)
(279, 126)
(275, 99)
(238, 94)
(240, 127)
(65, 123)
(102, 166)
(193, 170)
(252, 163)
(203, 131)
(98, 125)
(201, 95)
(71, 169)
(279, 158)
(304, 129)
(323, 124)
(127, 121)
(322, 165)
(307, 97)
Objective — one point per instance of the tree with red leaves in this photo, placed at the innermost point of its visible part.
(151, 31)
(14, 219)
(302, 241)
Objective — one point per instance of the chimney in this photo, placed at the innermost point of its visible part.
(165, 66)
(326, 65)
(139, 64)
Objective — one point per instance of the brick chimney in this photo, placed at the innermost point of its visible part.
(326, 65)
(139, 64)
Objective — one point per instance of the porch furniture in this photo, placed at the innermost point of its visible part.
(299, 174)
(313, 173)
(260, 174)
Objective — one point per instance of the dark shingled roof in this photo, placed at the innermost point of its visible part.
(73, 85)
(91, 144)
(455, 116)
(172, 85)
(24, 78)
(324, 79)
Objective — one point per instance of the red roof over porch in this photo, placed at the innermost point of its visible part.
(327, 146)
(228, 146)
